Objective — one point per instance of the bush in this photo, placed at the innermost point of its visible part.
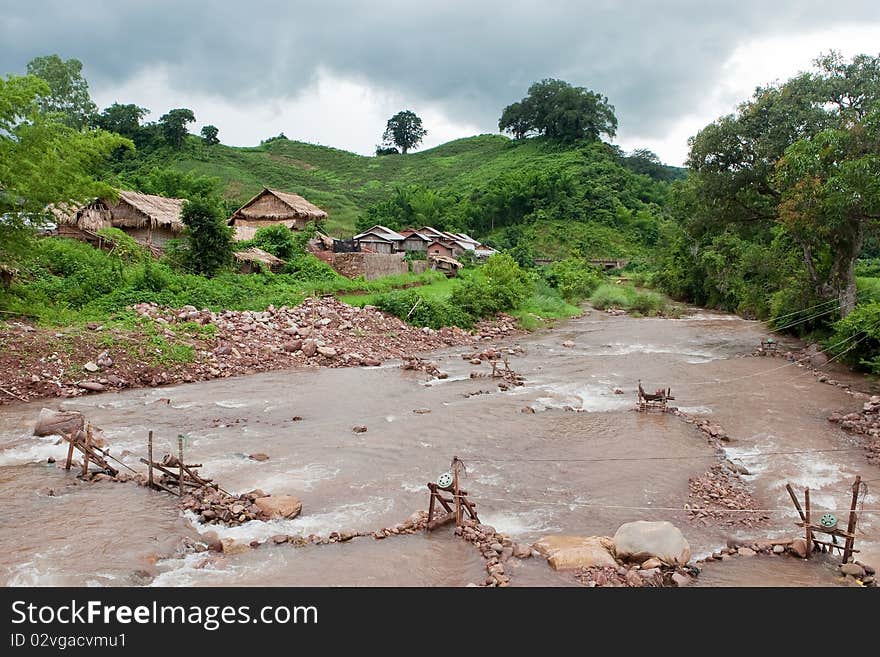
(610, 296)
(647, 303)
(858, 337)
(306, 267)
(573, 278)
(501, 286)
(415, 309)
(209, 239)
(277, 240)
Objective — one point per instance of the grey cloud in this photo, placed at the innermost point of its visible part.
(653, 60)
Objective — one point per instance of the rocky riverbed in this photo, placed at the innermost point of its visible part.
(187, 344)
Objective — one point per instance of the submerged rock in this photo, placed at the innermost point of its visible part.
(279, 506)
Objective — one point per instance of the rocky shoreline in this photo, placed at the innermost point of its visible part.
(186, 345)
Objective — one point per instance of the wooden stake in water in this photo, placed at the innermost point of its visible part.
(851, 525)
(180, 458)
(809, 531)
(85, 470)
(150, 459)
(70, 439)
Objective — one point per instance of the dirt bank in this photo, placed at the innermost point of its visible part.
(183, 345)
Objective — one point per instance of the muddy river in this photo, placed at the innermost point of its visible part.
(554, 471)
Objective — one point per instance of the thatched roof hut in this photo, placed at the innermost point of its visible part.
(249, 260)
(147, 218)
(271, 207)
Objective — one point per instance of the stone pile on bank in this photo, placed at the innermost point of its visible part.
(864, 423)
(319, 332)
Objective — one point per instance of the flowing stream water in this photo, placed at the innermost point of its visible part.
(554, 471)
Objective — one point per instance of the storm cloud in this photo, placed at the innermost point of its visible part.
(656, 61)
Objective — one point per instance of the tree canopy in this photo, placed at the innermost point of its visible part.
(174, 124)
(800, 155)
(124, 120)
(404, 130)
(68, 90)
(556, 109)
(209, 135)
(43, 160)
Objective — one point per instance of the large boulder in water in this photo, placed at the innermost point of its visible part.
(279, 506)
(640, 540)
(568, 552)
(58, 423)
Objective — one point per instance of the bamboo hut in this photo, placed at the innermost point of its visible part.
(149, 219)
(271, 207)
(252, 260)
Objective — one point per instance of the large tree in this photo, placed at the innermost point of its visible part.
(174, 124)
(796, 155)
(124, 120)
(43, 160)
(209, 135)
(404, 130)
(68, 89)
(556, 109)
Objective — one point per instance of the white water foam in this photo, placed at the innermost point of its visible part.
(36, 450)
(343, 517)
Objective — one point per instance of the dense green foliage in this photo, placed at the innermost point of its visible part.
(68, 90)
(174, 124)
(209, 135)
(783, 195)
(208, 238)
(556, 109)
(42, 160)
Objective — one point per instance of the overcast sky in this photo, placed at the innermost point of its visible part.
(332, 72)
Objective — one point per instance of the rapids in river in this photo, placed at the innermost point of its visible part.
(554, 471)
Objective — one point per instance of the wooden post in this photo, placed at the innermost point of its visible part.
(70, 439)
(85, 468)
(455, 491)
(851, 525)
(809, 532)
(180, 457)
(150, 458)
(797, 505)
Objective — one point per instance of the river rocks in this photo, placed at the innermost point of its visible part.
(653, 562)
(799, 547)
(259, 456)
(569, 552)
(778, 549)
(746, 552)
(91, 367)
(359, 428)
(92, 386)
(421, 411)
(293, 346)
(309, 348)
(680, 580)
(327, 352)
(568, 343)
(643, 539)
(278, 506)
(853, 569)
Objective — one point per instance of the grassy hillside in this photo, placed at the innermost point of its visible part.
(345, 184)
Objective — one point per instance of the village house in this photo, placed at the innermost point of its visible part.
(437, 248)
(151, 220)
(415, 241)
(270, 208)
(380, 239)
(254, 260)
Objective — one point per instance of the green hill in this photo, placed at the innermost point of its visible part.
(489, 185)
